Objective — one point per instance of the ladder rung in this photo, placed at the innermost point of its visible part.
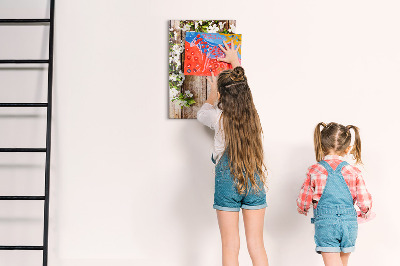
(22, 149)
(34, 20)
(23, 104)
(21, 247)
(23, 61)
(22, 197)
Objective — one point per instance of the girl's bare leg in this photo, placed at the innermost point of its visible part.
(345, 258)
(332, 259)
(254, 227)
(229, 228)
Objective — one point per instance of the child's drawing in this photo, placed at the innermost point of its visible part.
(202, 52)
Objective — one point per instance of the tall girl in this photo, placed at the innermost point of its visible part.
(238, 155)
(333, 186)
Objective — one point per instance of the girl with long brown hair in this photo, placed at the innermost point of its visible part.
(240, 172)
(333, 186)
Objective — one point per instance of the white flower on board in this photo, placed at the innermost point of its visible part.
(221, 25)
(188, 94)
(213, 28)
(172, 77)
(180, 102)
(176, 47)
(173, 93)
(232, 28)
(186, 27)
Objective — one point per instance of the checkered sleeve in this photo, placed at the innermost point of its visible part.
(305, 197)
(364, 199)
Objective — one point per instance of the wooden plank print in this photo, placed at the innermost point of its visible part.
(197, 85)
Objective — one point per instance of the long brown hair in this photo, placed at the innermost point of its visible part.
(242, 129)
(336, 137)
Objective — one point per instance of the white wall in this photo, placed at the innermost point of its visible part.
(131, 187)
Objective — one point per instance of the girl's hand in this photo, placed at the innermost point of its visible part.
(231, 54)
(214, 89)
(301, 211)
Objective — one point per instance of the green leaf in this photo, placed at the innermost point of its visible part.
(190, 101)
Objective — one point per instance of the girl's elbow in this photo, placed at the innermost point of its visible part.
(200, 117)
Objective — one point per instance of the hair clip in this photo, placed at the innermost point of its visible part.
(234, 84)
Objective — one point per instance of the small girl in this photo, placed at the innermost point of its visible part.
(333, 186)
(238, 155)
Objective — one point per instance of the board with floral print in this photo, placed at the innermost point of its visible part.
(202, 52)
(188, 92)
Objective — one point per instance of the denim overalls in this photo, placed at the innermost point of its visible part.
(226, 195)
(335, 217)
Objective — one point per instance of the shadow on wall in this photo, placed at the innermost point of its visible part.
(282, 219)
(193, 205)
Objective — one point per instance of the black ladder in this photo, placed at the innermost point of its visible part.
(47, 105)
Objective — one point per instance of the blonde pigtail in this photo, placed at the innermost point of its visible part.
(356, 151)
(319, 153)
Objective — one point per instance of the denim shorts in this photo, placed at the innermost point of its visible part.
(335, 232)
(226, 195)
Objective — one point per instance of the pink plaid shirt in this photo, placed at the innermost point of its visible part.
(314, 185)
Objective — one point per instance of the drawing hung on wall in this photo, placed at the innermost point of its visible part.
(188, 89)
(202, 51)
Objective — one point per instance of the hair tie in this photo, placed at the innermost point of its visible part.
(348, 130)
(234, 78)
(237, 74)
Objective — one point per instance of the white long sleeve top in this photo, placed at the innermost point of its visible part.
(210, 116)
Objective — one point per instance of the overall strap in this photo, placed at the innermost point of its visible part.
(212, 158)
(326, 166)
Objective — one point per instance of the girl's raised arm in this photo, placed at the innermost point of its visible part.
(231, 54)
(213, 96)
